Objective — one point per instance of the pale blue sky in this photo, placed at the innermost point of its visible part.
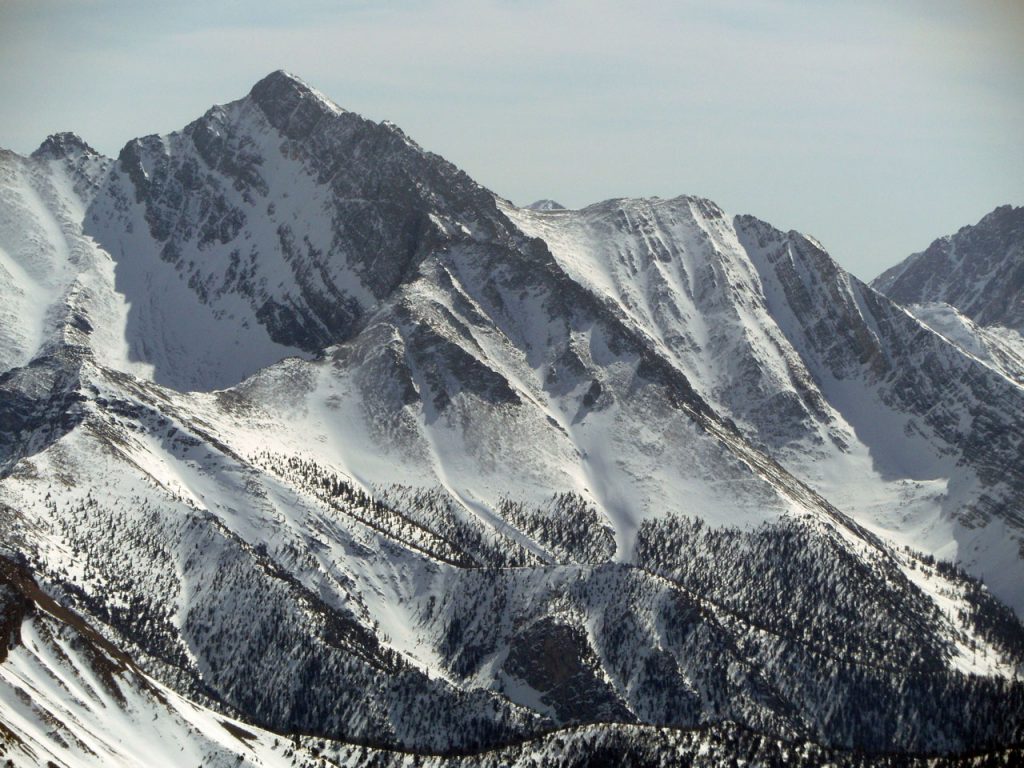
(874, 126)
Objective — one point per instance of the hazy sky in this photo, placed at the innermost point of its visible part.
(875, 126)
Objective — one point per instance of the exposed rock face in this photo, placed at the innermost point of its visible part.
(979, 270)
(545, 205)
(39, 404)
(556, 661)
(310, 215)
(60, 146)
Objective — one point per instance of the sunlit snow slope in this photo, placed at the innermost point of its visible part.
(890, 422)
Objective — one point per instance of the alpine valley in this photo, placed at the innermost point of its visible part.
(315, 452)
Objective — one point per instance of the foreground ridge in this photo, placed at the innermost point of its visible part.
(43, 638)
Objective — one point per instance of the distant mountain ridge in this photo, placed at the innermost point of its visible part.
(327, 438)
(979, 270)
(970, 288)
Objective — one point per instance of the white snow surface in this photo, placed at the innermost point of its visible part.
(1000, 348)
(61, 709)
(35, 265)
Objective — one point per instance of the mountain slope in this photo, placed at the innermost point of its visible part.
(968, 287)
(71, 698)
(979, 270)
(998, 347)
(57, 285)
(214, 601)
(842, 387)
(346, 445)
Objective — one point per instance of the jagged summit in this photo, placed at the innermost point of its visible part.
(62, 145)
(979, 270)
(290, 104)
(546, 205)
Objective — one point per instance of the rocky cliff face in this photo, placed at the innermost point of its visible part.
(979, 270)
(282, 213)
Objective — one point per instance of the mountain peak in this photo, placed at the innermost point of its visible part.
(979, 270)
(545, 205)
(282, 78)
(290, 104)
(1002, 217)
(61, 145)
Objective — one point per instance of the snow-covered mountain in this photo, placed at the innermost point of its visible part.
(979, 270)
(326, 438)
(888, 421)
(970, 288)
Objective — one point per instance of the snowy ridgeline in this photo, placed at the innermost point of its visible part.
(325, 438)
(979, 270)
